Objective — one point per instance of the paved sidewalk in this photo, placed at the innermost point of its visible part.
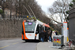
(46, 46)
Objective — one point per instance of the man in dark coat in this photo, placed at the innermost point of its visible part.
(56, 33)
(50, 38)
(42, 36)
(46, 35)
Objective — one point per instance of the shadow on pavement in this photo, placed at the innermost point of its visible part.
(31, 41)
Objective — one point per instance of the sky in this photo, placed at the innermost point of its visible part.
(45, 4)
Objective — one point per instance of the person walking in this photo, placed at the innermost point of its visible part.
(49, 38)
(53, 34)
(41, 36)
(56, 33)
(46, 35)
(50, 35)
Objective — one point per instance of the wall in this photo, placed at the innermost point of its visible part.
(10, 28)
(72, 24)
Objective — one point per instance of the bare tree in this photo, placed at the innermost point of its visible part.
(57, 8)
(33, 8)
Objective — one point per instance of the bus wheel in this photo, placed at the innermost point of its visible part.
(25, 40)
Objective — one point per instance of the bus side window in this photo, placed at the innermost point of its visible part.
(37, 28)
(45, 28)
(40, 28)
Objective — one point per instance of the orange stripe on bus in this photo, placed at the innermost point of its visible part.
(22, 36)
(35, 34)
(67, 28)
(46, 25)
(65, 22)
(24, 30)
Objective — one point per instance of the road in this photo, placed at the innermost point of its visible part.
(17, 44)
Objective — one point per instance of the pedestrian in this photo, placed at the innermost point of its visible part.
(53, 34)
(41, 36)
(46, 35)
(56, 33)
(50, 35)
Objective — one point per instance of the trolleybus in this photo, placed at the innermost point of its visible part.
(31, 29)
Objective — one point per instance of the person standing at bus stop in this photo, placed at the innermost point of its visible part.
(41, 35)
(46, 35)
(56, 33)
(50, 36)
(53, 34)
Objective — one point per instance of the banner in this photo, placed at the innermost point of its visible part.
(65, 29)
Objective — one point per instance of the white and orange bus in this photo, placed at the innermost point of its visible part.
(31, 29)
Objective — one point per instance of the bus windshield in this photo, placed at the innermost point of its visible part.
(29, 27)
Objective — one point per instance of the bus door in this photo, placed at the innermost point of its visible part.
(39, 29)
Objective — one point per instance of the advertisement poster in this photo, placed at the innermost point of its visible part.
(65, 29)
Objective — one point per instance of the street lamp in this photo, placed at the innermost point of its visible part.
(64, 26)
(62, 17)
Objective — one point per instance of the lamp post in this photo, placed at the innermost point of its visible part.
(62, 17)
(64, 26)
